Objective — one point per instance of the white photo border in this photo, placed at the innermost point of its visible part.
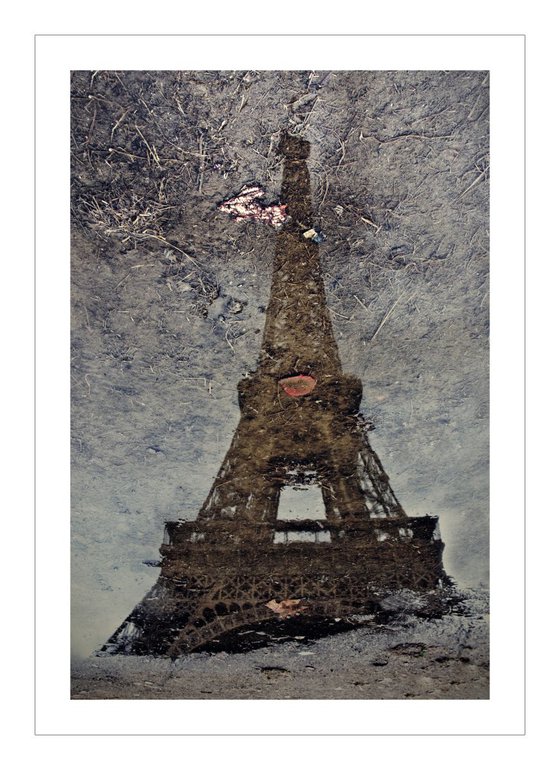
(504, 57)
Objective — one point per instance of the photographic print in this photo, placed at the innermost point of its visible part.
(280, 325)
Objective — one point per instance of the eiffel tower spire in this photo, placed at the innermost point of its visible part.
(299, 427)
(298, 334)
(299, 412)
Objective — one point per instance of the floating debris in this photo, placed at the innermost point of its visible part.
(236, 307)
(315, 235)
(247, 205)
(299, 385)
(287, 608)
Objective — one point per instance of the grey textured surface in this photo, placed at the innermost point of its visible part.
(399, 169)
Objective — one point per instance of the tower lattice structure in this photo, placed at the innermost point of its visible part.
(237, 563)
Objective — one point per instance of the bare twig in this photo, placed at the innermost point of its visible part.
(476, 182)
(326, 190)
(227, 340)
(359, 301)
(386, 316)
(119, 121)
(152, 152)
(407, 135)
(202, 159)
(343, 149)
(335, 312)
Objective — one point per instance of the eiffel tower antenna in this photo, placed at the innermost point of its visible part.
(238, 563)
